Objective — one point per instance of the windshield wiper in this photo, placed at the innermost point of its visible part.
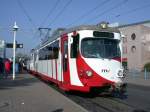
(112, 57)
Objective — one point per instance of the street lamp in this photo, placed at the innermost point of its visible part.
(15, 28)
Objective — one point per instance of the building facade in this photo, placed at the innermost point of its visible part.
(136, 44)
(2, 48)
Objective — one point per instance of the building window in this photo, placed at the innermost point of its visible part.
(133, 36)
(133, 49)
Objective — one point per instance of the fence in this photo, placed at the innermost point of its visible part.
(134, 73)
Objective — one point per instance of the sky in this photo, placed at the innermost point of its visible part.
(33, 14)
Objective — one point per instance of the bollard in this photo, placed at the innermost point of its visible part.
(145, 74)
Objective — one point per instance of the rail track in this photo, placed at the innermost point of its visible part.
(100, 102)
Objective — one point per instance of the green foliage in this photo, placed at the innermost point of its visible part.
(147, 66)
(125, 65)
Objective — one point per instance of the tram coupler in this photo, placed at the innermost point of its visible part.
(121, 87)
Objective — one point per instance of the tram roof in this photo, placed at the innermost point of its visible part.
(91, 27)
(82, 27)
(60, 31)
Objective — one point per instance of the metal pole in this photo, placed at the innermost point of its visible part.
(14, 54)
(145, 74)
(15, 28)
(4, 57)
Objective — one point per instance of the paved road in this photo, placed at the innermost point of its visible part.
(136, 100)
(138, 96)
(28, 94)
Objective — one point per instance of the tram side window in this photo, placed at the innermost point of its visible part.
(75, 47)
(35, 56)
(42, 54)
(31, 57)
(49, 52)
(55, 49)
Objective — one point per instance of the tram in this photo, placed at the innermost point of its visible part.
(81, 58)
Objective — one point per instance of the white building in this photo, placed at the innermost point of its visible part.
(2, 48)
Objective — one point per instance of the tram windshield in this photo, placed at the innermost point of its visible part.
(100, 48)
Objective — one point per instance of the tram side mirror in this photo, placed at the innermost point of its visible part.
(75, 46)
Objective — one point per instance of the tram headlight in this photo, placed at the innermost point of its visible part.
(89, 73)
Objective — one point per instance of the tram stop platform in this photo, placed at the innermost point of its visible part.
(28, 94)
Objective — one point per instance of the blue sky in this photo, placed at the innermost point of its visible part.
(32, 14)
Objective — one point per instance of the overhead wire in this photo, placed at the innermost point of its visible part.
(45, 19)
(28, 17)
(50, 12)
(133, 10)
(89, 12)
(61, 12)
(26, 13)
(108, 10)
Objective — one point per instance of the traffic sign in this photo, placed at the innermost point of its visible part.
(10, 45)
(19, 45)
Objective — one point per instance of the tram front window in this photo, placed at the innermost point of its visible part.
(100, 48)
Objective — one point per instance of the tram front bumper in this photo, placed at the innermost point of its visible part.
(121, 87)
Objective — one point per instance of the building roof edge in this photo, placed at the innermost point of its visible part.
(133, 24)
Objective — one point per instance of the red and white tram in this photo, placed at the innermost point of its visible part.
(81, 58)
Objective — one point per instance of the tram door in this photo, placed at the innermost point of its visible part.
(65, 60)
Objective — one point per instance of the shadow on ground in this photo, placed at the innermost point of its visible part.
(20, 80)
